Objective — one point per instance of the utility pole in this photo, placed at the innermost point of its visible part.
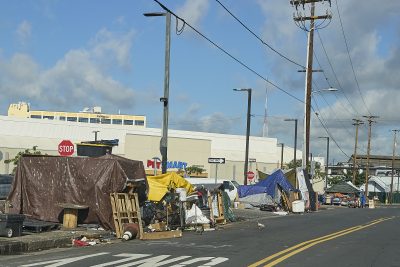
(370, 121)
(357, 123)
(300, 20)
(394, 153)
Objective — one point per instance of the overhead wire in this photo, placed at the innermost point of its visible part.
(227, 53)
(336, 77)
(348, 53)
(258, 37)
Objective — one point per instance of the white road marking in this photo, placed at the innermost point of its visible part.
(61, 262)
(140, 260)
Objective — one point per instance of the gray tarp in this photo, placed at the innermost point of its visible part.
(257, 200)
(41, 182)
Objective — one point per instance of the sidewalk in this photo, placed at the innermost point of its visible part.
(29, 242)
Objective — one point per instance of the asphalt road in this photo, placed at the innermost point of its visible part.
(333, 237)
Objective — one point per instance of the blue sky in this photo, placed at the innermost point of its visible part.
(67, 55)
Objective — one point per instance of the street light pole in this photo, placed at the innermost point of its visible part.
(165, 99)
(295, 149)
(327, 161)
(246, 160)
(282, 146)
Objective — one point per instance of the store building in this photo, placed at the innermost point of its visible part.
(185, 148)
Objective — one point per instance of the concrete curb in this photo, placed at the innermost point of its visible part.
(18, 247)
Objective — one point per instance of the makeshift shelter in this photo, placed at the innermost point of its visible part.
(268, 186)
(42, 183)
(274, 180)
(161, 184)
(343, 188)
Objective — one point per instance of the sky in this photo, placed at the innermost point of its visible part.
(67, 55)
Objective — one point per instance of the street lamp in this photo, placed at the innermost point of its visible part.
(282, 146)
(246, 160)
(164, 138)
(307, 111)
(295, 149)
(327, 160)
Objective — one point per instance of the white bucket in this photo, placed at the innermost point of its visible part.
(298, 206)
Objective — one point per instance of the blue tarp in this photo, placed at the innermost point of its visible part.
(247, 190)
(269, 185)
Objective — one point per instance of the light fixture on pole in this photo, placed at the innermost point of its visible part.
(295, 148)
(327, 160)
(165, 99)
(246, 160)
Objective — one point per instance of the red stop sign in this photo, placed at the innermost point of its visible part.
(250, 175)
(66, 148)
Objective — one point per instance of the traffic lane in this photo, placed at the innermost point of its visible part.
(241, 243)
(376, 245)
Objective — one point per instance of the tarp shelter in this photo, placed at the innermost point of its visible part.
(159, 185)
(273, 180)
(343, 188)
(268, 185)
(42, 182)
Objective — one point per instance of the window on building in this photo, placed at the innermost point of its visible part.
(128, 122)
(83, 120)
(62, 118)
(116, 121)
(48, 117)
(106, 121)
(94, 120)
(36, 116)
(139, 123)
(71, 119)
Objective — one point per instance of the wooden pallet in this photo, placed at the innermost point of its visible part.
(217, 218)
(125, 208)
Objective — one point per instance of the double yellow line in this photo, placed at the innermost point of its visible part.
(289, 252)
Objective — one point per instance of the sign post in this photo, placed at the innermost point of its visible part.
(66, 148)
(216, 161)
(250, 175)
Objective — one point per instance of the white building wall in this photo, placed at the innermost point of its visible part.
(17, 134)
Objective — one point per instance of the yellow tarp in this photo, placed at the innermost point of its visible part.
(159, 185)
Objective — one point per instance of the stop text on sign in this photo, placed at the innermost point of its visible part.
(66, 148)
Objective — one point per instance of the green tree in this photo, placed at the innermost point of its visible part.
(194, 169)
(27, 151)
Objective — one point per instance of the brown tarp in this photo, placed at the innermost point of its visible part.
(42, 182)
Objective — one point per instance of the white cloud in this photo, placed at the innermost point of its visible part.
(76, 80)
(193, 11)
(109, 46)
(24, 31)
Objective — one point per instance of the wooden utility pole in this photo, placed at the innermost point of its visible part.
(370, 121)
(300, 21)
(357, 122)
(394, 153)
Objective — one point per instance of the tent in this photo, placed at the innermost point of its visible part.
(41, 183)
(273, 180)
(159, 185)
(268, 185)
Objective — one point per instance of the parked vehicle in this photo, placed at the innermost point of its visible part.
(336, 201)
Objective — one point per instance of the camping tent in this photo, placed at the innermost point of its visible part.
(43, 182)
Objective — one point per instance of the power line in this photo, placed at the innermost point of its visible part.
(330, 135)
(259, 38)
(335, 75)
(227, 53)
(348, 53)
